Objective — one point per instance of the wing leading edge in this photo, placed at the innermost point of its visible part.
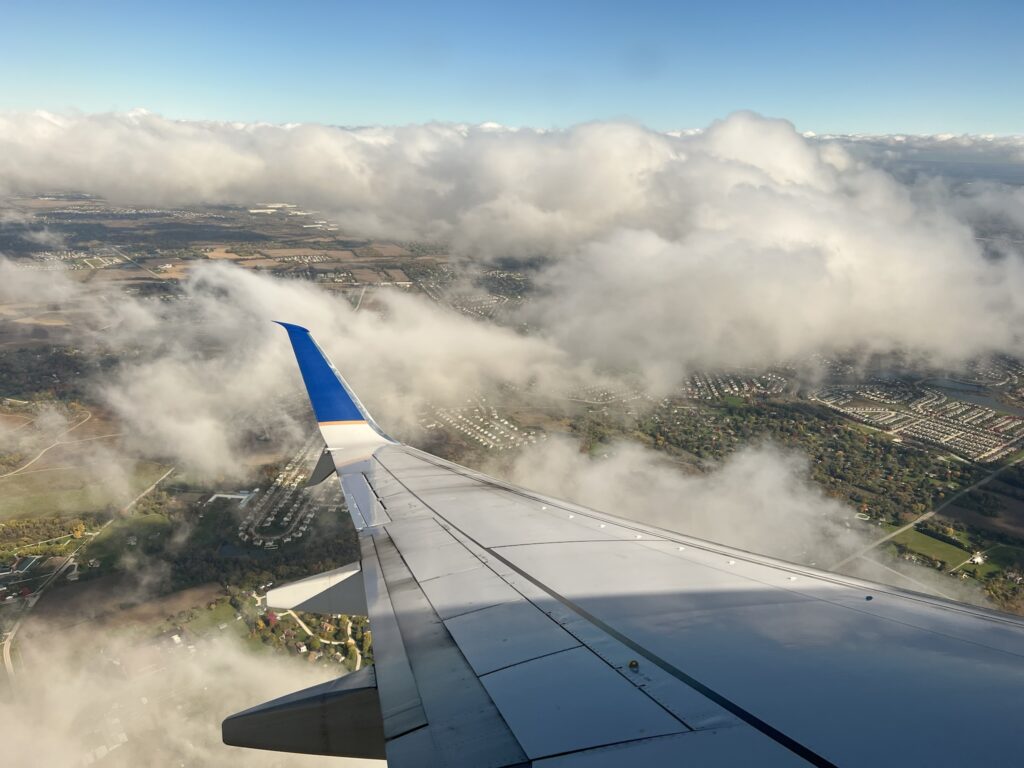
(513, 629)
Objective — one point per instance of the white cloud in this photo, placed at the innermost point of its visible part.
(199, 377)
(735, 245)
(760, 499)
(85, 696)
(741, 244)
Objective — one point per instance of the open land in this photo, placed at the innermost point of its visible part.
(123, 540)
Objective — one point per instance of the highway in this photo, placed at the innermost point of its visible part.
(927, 515)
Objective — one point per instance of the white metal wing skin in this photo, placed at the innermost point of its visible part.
(514, 629)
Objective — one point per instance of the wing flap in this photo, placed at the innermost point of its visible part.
(339, 718)
(724, 634)
(584, 695)
(332, 592)
(724, 748)
(366, 509)
(466, 728)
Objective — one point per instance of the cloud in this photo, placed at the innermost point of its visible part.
(777, 282)
(744, 244)
(19, 285)
(19, 226)
(959, 157)
(737, 245)
(152, 704)
(484, 187)
(980, 179)
(782, 247)
(202, 377)
(760, 499)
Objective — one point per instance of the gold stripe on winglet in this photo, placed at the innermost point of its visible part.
(333, 423)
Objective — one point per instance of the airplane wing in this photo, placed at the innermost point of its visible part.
(514, 629)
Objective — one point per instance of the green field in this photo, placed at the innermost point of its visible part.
(933, 548)
(71, 491)
(207, 621)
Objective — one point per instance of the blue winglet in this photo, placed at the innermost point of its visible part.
(333, 402)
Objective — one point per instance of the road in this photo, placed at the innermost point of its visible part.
(145, 493)
(8, 643)
(9, 639)
(58, 441)
(360, 302)
(926, 515)
(23, 467)
(126, 257)
(310, 632)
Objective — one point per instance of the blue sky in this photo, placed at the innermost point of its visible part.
(842, 67)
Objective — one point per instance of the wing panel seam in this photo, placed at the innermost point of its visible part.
(544, 656)
(748, 717)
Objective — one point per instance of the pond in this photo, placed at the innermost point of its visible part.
(973, 393)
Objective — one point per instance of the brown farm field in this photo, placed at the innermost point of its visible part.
(46, 317)
(9, 421)
(329, 253)
(1010, 519)
(366, 275)
(99, 424)
(221, 252)
(177, 271)
(389, 249)
(121, 275)
(112, 601)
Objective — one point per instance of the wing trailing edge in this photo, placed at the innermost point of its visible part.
(339, 591)
(339, 718)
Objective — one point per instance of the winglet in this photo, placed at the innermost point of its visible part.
(348, 429)
(333, 402)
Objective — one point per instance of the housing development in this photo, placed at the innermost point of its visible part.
(932, 416)
(97, 526)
